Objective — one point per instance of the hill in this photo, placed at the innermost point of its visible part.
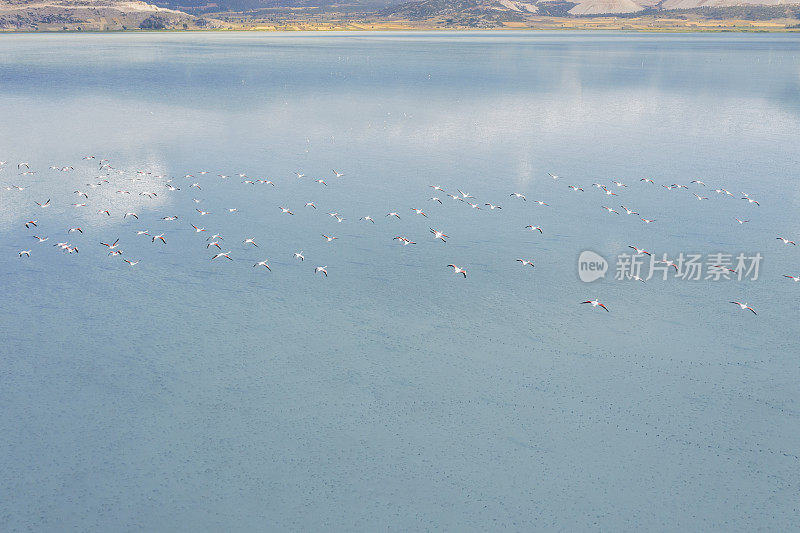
(511, 10)
(93, 15)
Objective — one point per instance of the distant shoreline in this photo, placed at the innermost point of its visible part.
(116, 16)
(428, 29)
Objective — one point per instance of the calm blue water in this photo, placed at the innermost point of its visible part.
(189, 394)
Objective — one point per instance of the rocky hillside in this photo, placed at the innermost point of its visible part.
(92, 15)
(516, 10)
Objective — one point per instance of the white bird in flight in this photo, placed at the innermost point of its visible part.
(438, 234)
(595, 303)
(744, 306)
(404, 241)
(750, 200)
(457, 270)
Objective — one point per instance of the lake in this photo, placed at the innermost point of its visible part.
(184, 393)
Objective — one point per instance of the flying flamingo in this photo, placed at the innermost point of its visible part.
(457, 270)
(438, 234)
(595, 303)
(744, 306)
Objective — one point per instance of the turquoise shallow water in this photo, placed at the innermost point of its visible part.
(186, 394)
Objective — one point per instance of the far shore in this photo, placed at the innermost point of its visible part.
(592, 25)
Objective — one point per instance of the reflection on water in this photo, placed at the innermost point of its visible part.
(187, 393)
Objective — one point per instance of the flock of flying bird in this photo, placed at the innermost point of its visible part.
(108, 179)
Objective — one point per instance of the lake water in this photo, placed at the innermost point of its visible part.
(188, 394)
